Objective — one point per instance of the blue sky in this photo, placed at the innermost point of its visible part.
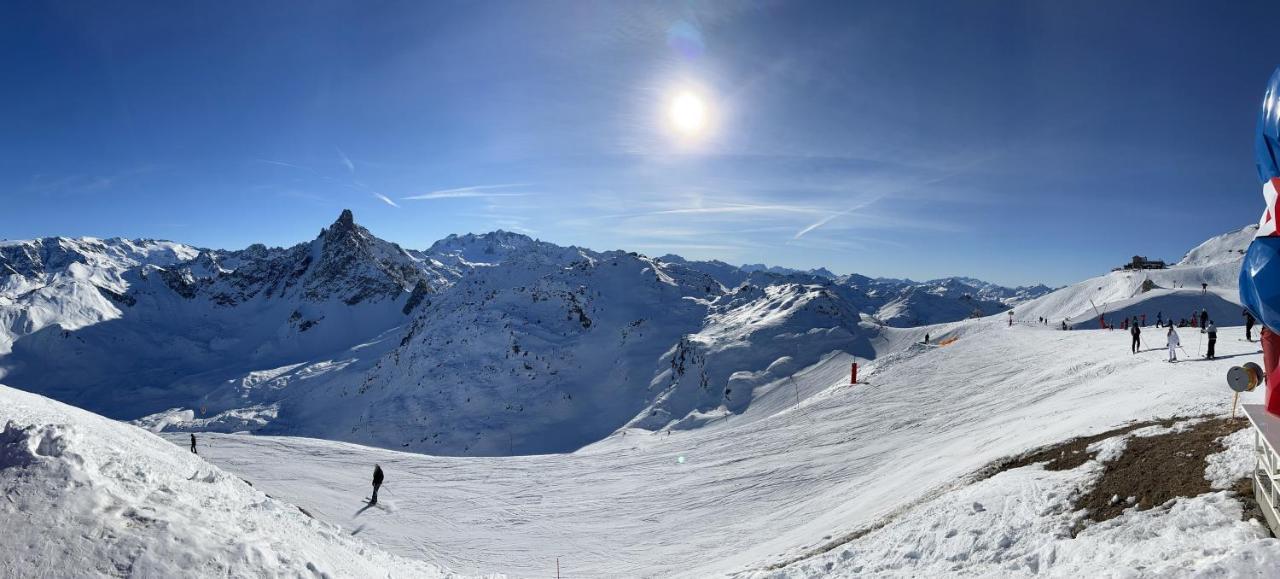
(1013, 141)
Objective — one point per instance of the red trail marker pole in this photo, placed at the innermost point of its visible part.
(853, 373)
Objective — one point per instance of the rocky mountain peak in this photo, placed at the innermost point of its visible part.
(346, 219)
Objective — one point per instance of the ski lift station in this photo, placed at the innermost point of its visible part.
(1141, 262)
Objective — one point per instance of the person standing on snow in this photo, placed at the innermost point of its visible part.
(1248, 326)
(193, 443)
(1136, 332)
(1173, 344)
(1213, 338)
(1204, 288)
(1144, 320)
(1204, 318)
(377, 482)
(1159, 319)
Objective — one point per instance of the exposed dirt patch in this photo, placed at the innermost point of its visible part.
(1069, 454)
(1244, 491)
(1156, 469)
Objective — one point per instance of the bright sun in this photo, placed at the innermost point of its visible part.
(688, 114)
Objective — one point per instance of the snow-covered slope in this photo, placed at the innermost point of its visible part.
(90, 497)
(1175, 291)
(1225, 248)
(827, 460)
(511, 360)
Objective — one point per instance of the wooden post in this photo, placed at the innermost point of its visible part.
(853, 373)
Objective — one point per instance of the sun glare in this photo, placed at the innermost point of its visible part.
(688, 114)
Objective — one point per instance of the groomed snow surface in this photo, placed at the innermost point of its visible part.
(84, 496)
(895, 455)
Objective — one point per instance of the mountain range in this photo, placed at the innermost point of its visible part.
(480, 344)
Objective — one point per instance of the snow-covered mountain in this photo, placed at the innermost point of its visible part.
(150, 324)
(72, 282)
(893, 302)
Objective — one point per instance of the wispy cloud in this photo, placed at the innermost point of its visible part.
(346, 161)
(44, 184)
(471, 192)
(282, 164)
(292, 193)
(820, 223)
(385, 199)
(737, 208)
(828, 219)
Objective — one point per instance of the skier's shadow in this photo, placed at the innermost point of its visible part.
(1223, 357)
(366, 507)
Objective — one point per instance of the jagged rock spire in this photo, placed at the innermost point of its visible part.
(346, 219)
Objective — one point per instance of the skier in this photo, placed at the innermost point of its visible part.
(1248, 326)
(1135, 331)
(1173, 344)
(1204, 318)
(377, 482)
(1064, 325)
(1144, 320)
(926, 338)
(1159, 319)
(1204, 288)
(1213, 338)
(193, 443)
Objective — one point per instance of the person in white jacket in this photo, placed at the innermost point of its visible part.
(1174, 342)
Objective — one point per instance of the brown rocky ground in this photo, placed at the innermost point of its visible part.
(1152, 470)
